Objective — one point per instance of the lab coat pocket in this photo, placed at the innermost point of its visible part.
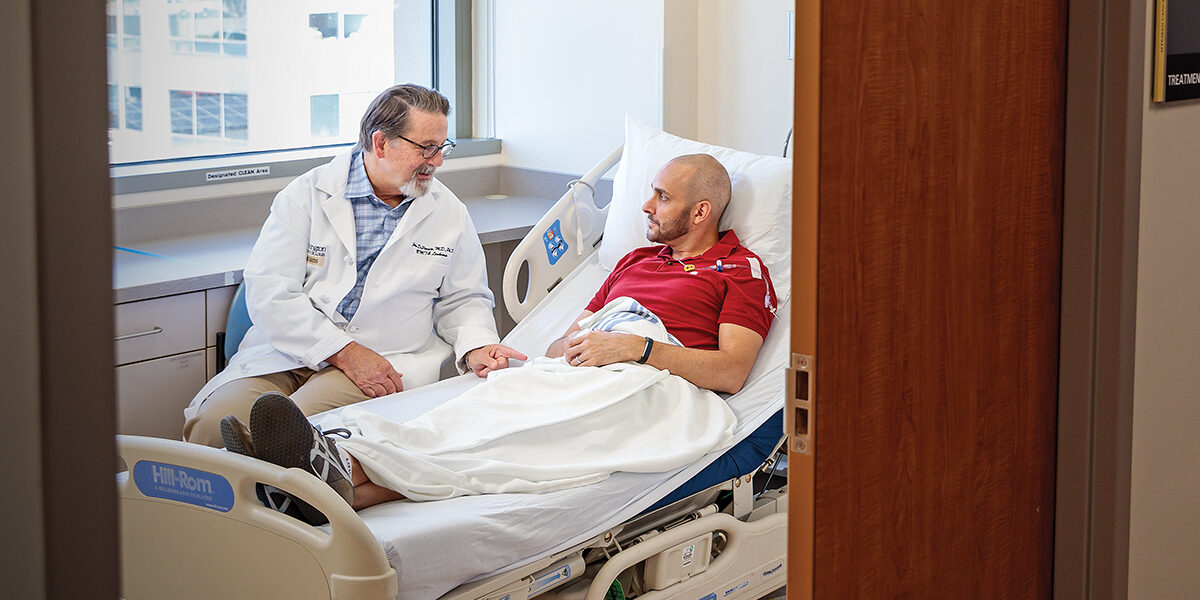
(423, 276)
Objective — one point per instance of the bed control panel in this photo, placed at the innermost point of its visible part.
(681, 562)
(556, 246)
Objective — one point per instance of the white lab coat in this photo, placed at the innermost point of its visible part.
(429, 277)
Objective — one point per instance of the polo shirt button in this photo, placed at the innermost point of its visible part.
(354, 329)
(346, 259)
(325, 298)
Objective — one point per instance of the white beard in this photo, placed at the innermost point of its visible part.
(414, 189)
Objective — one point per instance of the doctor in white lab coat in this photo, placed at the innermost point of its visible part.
(424, 295)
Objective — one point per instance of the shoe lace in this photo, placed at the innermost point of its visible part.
(338, 431)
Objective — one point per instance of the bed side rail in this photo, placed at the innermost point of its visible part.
(567, 234)
(752, 561)
(192, 527)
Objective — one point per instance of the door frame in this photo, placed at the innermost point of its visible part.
(1106, 50)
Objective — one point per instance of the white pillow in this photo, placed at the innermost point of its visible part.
(760, 211)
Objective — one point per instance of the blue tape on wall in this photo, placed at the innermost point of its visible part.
(181, 484)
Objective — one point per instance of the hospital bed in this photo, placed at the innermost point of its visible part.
(191, 525)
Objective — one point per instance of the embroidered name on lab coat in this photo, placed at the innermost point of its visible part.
(424, 250)
(316, 254)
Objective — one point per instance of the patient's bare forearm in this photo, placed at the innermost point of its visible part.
(716, 370)
(721, 370)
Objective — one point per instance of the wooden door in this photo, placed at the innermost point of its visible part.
(938, 195)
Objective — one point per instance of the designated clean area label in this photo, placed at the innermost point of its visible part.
(237, 173)
(181, 484)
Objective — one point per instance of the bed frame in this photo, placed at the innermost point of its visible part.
(171, 548)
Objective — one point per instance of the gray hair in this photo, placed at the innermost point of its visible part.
(389, 111)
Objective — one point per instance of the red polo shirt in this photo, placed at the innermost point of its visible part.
(695, 295)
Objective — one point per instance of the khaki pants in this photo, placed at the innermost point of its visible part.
(312, 391)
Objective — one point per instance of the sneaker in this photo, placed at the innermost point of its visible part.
(283, 436)
(237, 439)
(277, 499)
(236, 436)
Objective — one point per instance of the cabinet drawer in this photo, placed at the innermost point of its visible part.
(159, 327)
(151, 395)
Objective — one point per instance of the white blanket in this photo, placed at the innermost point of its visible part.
(546, 425)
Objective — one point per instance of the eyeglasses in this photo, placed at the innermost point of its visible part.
(432, 150)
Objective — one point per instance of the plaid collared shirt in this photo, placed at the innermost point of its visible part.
(374, 223)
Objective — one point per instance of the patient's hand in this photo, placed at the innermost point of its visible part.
(372, 373)
(599, 348)
(485, 359)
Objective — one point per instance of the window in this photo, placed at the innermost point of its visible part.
(124, 22)
(323, 115)
(132, 25)
(114, 118)
(353, 24)
(236, 123)
(324, 24)
(209, 114)
(183, 89)
(133, 108)
(207, 26)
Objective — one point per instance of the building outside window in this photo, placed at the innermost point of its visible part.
(207, 26)
(210, 78)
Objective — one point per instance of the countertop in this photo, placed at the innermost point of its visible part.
(176, 266)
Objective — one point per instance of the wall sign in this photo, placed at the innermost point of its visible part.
(1176, 50)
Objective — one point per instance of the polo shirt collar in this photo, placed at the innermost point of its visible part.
(726, 244)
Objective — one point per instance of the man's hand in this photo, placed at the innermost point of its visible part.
(559, 346)
(599, 348)
(372, 373)
(492, 357)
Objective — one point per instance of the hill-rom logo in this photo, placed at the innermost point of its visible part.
(182, 484)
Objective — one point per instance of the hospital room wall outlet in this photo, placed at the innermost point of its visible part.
(681, 562)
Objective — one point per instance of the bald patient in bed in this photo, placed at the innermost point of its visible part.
(713, 296)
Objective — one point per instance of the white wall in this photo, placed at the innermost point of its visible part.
(745, 78)
(566, 73)
(1164, 523)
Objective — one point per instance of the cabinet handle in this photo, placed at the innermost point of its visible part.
(130, 336)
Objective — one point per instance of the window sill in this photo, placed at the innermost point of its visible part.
(199, 172)
(268, 172)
